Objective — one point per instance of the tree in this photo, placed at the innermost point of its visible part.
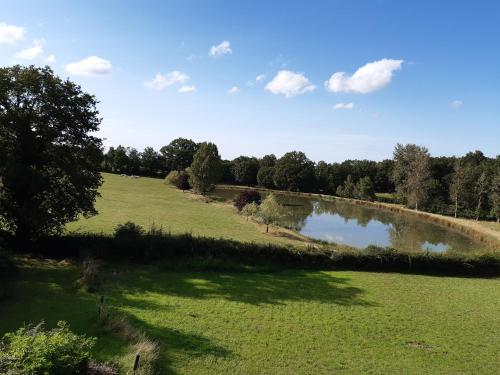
(246, 197)
(250, 209)
(365, 189)
(268, 161)
(206, 169)
(245, 170)
(294, 172)
(179, 153)
(411, 172)
(49, 165)
(481, 189)
(322, 172)
(265, 177)
(495, 196)
(270, 210)
(151, 162)
(458, 184)
(347, 189)
(183, 181)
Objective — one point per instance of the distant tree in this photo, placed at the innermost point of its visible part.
(382, 181)
(322, 173)
(365, 189)
(227, 173)
(411, 173)
(49, 164)
(179, 153)
(270, 210)
(495, 196)
(206, 169)
(458, 184)
(120, 160)
(151, 162)
(246, 197)
(134, 160)
(347, 189)
(265, 177)
(268, 161)
(245, 170)
(482, 190)
(294, 172)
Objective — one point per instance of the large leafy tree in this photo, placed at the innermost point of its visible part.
(49, 165)
(294, 172)
(245, 170)
(179, 153)
(206, 169)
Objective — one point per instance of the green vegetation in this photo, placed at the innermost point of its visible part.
(213, 318)
(147, 201)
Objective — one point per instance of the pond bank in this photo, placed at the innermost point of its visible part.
(475, 230)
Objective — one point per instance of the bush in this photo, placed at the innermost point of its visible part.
(246, 197)
(129, 230)
(183, 181)
(172, 178)
(34, 350)
(250, 209)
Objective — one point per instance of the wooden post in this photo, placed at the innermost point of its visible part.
(136, 362)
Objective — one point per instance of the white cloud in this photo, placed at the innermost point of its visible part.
(260, 77)
(161, 81)
(10, 34)
(290, 84)
(221, 49)
(456, 104)
(185, 89)
(32, 52)
(91, 66)
(343, 106)
(370, 77)
(50, 59)
(233, 90)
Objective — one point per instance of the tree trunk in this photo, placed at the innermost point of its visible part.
(478, 208)
(456, 206)
(267, 228)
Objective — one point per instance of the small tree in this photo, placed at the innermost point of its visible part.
(457, 184)
(347, 189)
(250, 210)
(172, 178)
(495, 196)
(270, 211)
(365, 189)
(206, 169)
(481, 189)
(183, 181)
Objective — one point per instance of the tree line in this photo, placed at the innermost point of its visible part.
(466, 186)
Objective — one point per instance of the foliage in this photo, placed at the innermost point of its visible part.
(89, 276)
(7, 275)
(265, 177)
(495, 196)
(268, 161)
(128, 230)
(183, 181)
(179, 153)
(245, 170)
(347, 189)
(294, 172)
(270, 210)
(365, 189)
(50, 163)
(206, 169)
(173, 178)
(250, 209)
(34, 350)
(245, 197)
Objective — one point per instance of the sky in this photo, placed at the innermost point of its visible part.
(335, 79)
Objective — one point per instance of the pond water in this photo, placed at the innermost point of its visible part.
(341, 222)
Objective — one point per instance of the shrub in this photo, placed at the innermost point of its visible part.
(246, 197)
(250, 209)
(183, 181)
(172, 178)
(34, 350)
(128, 230)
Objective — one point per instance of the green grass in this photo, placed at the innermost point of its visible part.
(148, 201)
(282, 322)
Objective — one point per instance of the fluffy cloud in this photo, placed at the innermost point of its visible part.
(290, 84)
(185, 89)
(10, 34)
(456, 104)
(343, 106)
(371, 77)
(91, 66)
(32, 52)
(161, 81)
(221, 49)
(233, 90)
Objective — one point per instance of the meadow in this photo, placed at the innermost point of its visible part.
(211, 321)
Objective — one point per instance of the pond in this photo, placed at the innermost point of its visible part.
(341, 222)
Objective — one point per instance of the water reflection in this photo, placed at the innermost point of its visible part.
(342, 222)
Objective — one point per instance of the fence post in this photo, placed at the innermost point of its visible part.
(136, 362)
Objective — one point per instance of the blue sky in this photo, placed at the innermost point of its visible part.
(434, 78)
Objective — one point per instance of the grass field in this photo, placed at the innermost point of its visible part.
(148, 201)
(282, 322)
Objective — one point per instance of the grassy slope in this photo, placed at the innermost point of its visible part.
(283, 322)
(146, 201)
